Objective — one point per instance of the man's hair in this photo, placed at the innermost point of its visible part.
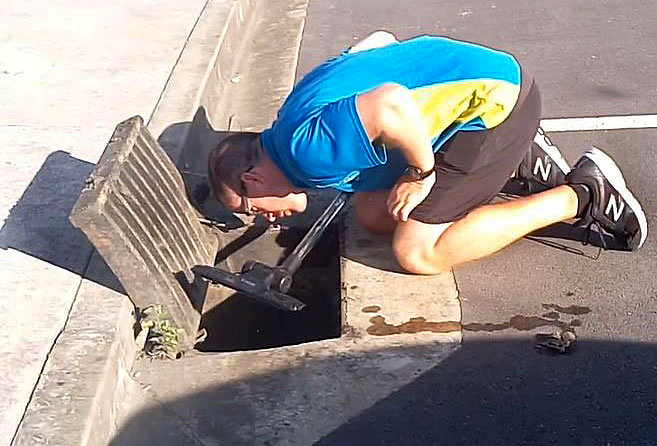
(233, 155)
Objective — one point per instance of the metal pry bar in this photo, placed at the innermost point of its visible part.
(269, 284)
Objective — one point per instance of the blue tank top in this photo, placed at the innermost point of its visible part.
(318, 140)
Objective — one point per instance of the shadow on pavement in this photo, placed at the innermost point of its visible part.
(188, 145)
(488, 392)
(502, 393)
(38, 224)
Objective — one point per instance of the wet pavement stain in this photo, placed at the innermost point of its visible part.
(574, 310)
(380, 327)
(371, 309)
(526, 323)
(486, 326)
(521, 323)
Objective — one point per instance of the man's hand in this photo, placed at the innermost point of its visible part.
(407, 194)
(273, 216)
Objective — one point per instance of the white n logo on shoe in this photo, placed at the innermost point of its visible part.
(544, 165)
(616, 205)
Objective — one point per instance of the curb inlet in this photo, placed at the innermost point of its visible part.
(237, 322)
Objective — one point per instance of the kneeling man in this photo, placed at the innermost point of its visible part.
(425, 132)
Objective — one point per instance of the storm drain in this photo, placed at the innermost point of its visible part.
(135, 212)
(236, 322)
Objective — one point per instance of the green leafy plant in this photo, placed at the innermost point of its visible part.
(163, 338)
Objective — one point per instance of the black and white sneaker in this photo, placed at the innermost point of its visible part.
(542, 168)
(613, 207)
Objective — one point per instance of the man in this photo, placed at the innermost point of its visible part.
(426, 132)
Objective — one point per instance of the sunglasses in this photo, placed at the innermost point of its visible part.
(247, 208)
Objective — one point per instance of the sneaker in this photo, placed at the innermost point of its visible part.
(542, 168)
(613, 207)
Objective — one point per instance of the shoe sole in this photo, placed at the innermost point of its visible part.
(551, 150)
(614, 175)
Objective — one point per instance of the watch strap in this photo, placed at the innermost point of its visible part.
(417, 174)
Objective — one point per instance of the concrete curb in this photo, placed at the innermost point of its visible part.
(77, 396)
(80, 391)
(204, 64)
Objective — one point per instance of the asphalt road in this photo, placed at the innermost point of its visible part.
(590, 58)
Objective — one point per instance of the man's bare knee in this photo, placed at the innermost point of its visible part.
(417, 249)
(420, 260)
(409, 259)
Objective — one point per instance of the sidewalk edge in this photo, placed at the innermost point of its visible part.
(79, 393)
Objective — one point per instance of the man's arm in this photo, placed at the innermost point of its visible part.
(389, 114)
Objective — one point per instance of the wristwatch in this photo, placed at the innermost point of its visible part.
(416, 174)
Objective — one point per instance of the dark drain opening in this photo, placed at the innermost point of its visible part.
(240, 323)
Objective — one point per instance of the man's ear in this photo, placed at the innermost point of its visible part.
(252, 179)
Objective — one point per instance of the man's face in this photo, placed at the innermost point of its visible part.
(274, 207)
(266, 191)
(271, 206)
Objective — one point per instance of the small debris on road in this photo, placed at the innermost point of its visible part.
(557, 342)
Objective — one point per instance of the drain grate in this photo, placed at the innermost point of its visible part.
(135, 211)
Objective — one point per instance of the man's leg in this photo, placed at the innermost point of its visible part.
(372, 213)
(596, 192)
(471, 169)
(424, 248)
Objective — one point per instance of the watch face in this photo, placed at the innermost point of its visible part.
(413, 172)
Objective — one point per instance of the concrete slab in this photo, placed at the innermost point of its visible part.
(41, 256)
(30, 328)
(134, 209)
(285, 396)
(113, 66)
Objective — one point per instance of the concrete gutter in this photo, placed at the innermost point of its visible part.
(202, 72)
(83, 383)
